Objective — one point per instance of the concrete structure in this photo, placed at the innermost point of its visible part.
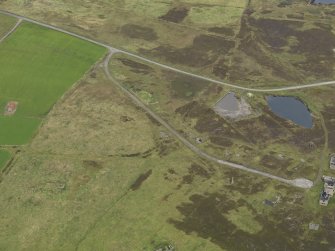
(329, 185)
(328, 190)
(11, 107)
(324, 199)
(332, 162)
(313, 226)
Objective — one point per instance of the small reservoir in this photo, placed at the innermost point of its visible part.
(323, 1)
(292, 109)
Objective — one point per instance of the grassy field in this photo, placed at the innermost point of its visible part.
(261, 140)
(100, 174)
(4, 158)
(37, 67)
(89, 185)
(6, 23)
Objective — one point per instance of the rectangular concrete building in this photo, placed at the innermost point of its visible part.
(332, 162)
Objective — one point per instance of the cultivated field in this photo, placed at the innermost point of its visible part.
(37, 67)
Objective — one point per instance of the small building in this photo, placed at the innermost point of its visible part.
(329, 185)
(324, 199)
(11, 107)
(332, 162)
(199, 140)
(313, 226)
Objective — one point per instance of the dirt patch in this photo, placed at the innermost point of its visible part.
(282, 227)
(204, 51)
(186, 56)
(176, 15)
(204, 215)
(308, 139)
(261, 129)
(329, 117)
(221, 141)
(300, 16)
(92, 164)
(222, 30)
(253, 49)
(207, 120)
(11, 108)
(166, 146)
(139, 32)
(271, 162)
(213, 43)
(275, 32)
(139, 181)
(272, 36)
(186, 87)
(125, 119)
(136, 67)
(195, 170)
(221, 68)
(198, 170)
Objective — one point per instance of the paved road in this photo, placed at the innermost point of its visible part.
(302, 183)
(11, 31)
(166, 66)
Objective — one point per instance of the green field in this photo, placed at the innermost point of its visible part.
(38, 66)
(4, 157)
(6, 24)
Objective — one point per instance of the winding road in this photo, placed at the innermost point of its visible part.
(301, 182)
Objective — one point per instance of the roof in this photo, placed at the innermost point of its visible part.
(268, 202)
(324, 196)
(332, 160)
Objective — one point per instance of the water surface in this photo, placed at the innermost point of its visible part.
(292, 109)
(323, 2)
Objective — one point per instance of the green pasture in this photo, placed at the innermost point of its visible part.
(37, 66)
(4, 158)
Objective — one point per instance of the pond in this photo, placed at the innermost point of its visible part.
(323, 2)
(292, 109)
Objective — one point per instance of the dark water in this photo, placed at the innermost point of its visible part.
(324, 2)
(291, 108)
